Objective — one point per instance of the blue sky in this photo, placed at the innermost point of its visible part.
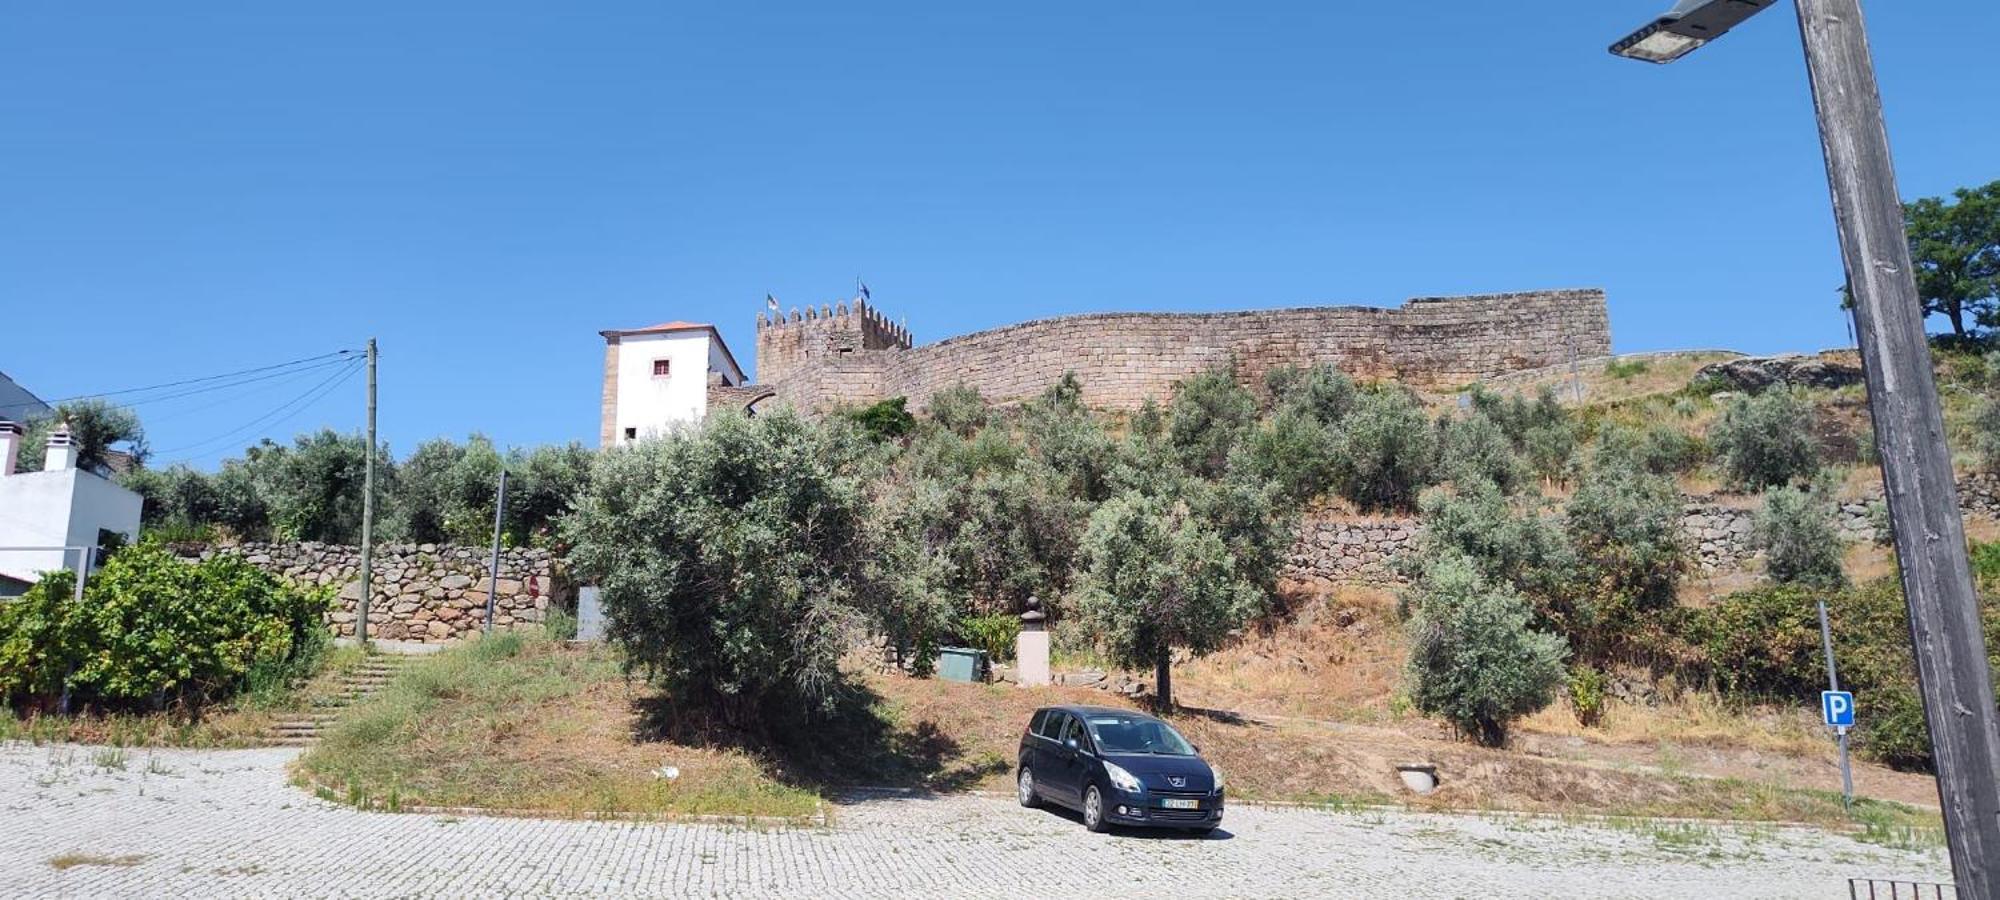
(191, 189)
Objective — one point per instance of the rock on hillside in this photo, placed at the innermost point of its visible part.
(1755, 373)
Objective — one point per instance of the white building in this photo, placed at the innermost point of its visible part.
(60, 506)
(661, 377)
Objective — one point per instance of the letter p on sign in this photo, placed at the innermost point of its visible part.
(1837, 708)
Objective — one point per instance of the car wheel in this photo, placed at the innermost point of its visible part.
(1093, 810)
(1024, 786)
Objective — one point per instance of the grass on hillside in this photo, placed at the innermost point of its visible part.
(239, 722)
(523, 723)
(518, 721)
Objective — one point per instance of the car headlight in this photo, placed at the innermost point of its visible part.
(1217, 772)
(1123, 780)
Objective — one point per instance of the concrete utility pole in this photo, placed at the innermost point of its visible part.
(1909, 432)
(367, 512)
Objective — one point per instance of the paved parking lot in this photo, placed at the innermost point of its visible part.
(82, 823)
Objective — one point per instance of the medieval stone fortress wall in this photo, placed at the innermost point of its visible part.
(844, 355)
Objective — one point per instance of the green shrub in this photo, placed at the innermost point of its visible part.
(886, 420)
(1795, 531)
(1549, 449)
(1474, 449)
(1292, 451)
(153, 629)
(1586, 695)
(1625, 525)
(1386, 450)
(1623, 369)
(1474, 660)
(1208, 416)
(1762, 643)
(959, 409)
(1520, 547)
(1767, 440)
(994, 634)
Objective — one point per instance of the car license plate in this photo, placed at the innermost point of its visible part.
(1178, 803)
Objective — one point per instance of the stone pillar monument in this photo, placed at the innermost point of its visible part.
(1031, 648)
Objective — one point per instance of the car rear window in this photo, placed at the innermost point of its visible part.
(1051, 723)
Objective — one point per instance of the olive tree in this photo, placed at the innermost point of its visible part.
(1766, 440)
(1795, 531)
(1474, 659)
(732, 560)
(1155, 576)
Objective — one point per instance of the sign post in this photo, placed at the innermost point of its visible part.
(1836, 709)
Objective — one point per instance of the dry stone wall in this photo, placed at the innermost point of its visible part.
(1719, 537)
(1124, 359)
(431, 593)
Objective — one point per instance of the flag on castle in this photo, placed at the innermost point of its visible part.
(771, 302)
(861, 289)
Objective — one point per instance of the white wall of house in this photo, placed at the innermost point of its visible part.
(651, 405)
(59, 507)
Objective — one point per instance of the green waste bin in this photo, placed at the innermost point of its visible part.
(961, 664)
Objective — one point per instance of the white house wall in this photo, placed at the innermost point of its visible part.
(653, 405)
(62, 508)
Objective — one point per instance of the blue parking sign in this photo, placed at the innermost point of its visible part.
(1837, 708)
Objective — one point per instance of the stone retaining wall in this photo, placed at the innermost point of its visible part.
(431, 593)
(1335, 550)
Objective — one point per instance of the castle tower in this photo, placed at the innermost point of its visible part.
(791, 342)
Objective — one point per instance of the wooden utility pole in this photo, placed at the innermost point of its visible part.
(367, 512)
(1909, 432)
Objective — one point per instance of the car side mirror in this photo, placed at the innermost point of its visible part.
(1071, 742)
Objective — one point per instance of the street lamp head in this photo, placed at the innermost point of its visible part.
(1690, 24)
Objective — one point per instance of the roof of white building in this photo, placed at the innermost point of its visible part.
(18, 403)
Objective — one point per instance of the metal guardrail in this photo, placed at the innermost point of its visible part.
(1888, 889)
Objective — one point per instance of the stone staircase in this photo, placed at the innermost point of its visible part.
(297, 729)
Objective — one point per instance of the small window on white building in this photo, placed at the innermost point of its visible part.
(631, 434)
(662, 368)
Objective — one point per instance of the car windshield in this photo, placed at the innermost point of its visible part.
(1137, 734)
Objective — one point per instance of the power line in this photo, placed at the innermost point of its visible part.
(269, 376)
(283, 412)
(347, 354)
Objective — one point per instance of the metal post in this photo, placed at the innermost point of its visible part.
(367, 512)
(1909, 433)
(493, 572)
(1833, 684)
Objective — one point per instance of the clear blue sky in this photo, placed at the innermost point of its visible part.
(189, 189)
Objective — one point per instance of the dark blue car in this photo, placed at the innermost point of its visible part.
(1117, 767)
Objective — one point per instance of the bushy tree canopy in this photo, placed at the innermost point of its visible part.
(1474, 659)
(96, 427)
(1956, 249)
(1766, 440)
(732, 560)
(1795, 530)
(1154, 577)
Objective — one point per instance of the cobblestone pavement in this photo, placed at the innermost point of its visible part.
(79, 821)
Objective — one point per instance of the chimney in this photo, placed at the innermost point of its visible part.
(62, 451)
(10, 443)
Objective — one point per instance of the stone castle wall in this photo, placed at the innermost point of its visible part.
(1124, 359)
(432, 593)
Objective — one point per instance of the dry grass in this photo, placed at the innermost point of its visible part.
(1338, 655)
(525, 723)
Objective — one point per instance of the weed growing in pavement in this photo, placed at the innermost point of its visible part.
(109, 758)
(72, 860)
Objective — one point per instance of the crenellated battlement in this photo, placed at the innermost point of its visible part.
(785, 342)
